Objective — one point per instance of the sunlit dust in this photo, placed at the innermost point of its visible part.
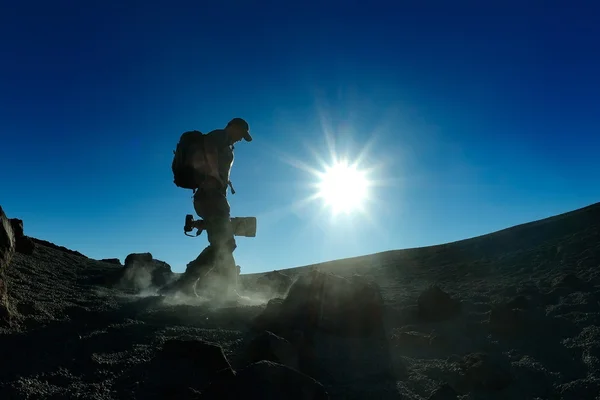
(343, 187)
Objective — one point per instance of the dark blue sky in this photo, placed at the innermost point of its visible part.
(476, 117)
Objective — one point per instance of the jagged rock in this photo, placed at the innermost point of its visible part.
(326, 317)
(270, 347)
(266, 380)
(23, 244)
(7, 250)
(7, 241)
(275, 282)
(142, 272)
(327, 303)
(434, 305)
(114, 261)
(138, 257)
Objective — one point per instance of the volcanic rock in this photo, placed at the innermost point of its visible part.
(7, 251)
(23, 244)
(347, 307)
(142, 272)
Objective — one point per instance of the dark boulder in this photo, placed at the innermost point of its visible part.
(142, 272)
(327, 318)
(138, 258)
(7, 241)
(7, 251)
(327, 303)
(23, 244)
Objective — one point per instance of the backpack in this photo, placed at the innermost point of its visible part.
(194, 159)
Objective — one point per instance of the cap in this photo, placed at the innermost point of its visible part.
(240, 122)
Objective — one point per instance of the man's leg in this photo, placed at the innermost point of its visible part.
(213, 208)
(221, 238)
(197, 268)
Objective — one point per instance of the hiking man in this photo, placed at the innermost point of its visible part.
(216, 263)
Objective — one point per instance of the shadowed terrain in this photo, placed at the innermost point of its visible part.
(510, 315)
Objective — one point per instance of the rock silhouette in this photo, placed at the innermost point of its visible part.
(23, 244)
(142, 271)
(7, 251)
(510, 315)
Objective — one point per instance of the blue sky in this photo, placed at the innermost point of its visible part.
(471, 117)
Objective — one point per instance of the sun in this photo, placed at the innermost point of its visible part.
(343, 187)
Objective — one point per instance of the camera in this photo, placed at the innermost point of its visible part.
(242, 226)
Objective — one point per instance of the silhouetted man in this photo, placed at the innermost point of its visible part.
(215, 270)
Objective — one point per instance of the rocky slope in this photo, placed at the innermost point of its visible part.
(510, 315)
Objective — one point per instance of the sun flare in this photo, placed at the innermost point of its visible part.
(343, 187)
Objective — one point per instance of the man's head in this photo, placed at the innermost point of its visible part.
(238, 129)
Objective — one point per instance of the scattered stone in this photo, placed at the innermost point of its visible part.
(23, 244)
(434, 305)
(270, 347)
(267, 380)
(7, 250)
(444, 392)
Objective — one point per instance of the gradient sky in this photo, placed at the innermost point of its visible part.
(470, 117)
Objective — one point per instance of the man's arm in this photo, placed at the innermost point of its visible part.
(216, 145)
